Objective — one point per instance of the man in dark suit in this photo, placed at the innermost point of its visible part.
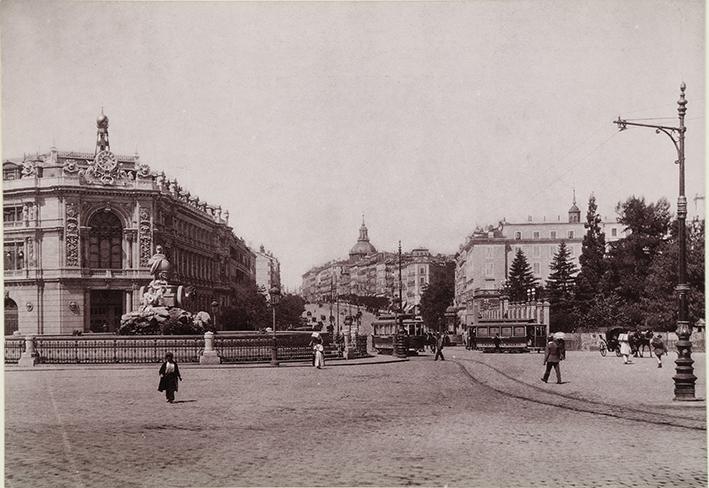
(440, 342)
(552, 356)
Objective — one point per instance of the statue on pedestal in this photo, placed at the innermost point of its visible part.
(161, 309)
(160, 270)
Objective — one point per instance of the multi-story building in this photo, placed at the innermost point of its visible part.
(79, 229)
(483, 262)
(368, 272)
(268, 270)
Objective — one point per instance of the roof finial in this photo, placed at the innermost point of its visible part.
(574, 202)
(363, 218)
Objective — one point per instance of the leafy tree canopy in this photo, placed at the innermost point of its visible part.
(437, 297)
(250, 310)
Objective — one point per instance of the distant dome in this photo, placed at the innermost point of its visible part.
(362, 247)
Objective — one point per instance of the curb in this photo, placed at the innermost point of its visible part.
(285, 364)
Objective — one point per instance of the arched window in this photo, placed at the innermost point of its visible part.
(11, 316)
(105, 239)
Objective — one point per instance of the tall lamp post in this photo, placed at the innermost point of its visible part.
(684, 378)
(275, 293)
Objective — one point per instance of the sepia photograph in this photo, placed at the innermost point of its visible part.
(353, 243)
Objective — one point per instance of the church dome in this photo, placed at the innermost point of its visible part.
(362, 247)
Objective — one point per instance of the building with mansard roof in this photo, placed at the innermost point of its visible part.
(79, 229)
(368, 272)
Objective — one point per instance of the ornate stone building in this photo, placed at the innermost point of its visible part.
(79, 229)
(368, 272)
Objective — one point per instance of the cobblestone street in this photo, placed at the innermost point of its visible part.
(455, 423)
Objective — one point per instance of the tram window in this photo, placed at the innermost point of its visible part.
(506, 331)
(519, 332)
(482, 331)
(494, 330)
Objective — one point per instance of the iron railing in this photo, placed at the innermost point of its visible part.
(231, 348)
(14, 347)
(117, 349)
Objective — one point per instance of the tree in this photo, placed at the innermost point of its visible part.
(659, 300)
(561, 281)
(289, 311)
(592, 262)
(520, 278)
(629, 260)
(249, 312)
(437, 298)
(604, 312)
(560, 290)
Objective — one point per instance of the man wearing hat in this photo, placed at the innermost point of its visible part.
(658, 348)
(552, 356)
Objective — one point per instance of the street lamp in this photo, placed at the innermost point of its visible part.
(215, 309)
(275, 293)
(684, 378)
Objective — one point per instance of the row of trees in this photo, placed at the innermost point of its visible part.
(629, 282)
(252, 310)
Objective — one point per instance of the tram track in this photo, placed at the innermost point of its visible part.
(569, 402)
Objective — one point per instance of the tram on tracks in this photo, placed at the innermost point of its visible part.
(514, 335)
(385, 327)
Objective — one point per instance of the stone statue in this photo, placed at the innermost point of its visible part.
(160, 270)
(159, 265)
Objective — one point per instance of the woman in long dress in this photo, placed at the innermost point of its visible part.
(625, 349)
(169, 375)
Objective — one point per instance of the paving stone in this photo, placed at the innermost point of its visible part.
(418, 423)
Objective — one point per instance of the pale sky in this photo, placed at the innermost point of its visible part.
(428, 118)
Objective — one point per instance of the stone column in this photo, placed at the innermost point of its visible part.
(209, 355)
(547, 306)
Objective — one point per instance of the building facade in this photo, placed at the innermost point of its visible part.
(79, 229)
(368, 272)
(483, 262)
(268, 270)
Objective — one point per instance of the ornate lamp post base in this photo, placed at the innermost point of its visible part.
(274, 353)
(684, 379)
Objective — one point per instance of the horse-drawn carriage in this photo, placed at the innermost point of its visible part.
(638, 341)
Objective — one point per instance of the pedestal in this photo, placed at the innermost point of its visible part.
(209, 356)
(29, 356)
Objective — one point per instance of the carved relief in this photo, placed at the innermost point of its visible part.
(70, 167)
(144, 235)
(29, 211)
(29, 245)
(71, 240)
(105, 170)
(143, 171)
(28, 169)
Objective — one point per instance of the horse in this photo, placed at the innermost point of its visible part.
(639, 340)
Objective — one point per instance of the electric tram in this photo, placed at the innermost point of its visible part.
(385, 327)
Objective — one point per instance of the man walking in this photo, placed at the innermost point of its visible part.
(440, 342)
(552, 356)
(659, 349)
